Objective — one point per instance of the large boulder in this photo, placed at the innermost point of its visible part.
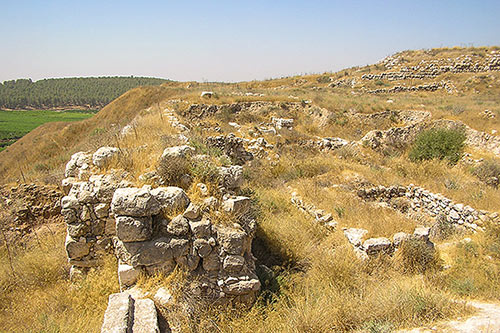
(135, 202)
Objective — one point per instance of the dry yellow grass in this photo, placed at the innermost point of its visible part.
(38, 297)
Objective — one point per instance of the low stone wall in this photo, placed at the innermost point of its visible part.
(417, 199)
(319, 215)
(232, 146)
(422, 87)
(372, 247)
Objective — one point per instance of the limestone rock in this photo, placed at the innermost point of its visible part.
(76, 249)
(355, 235)
(377, 245)
(133, 229)
(119, 314)
(78, 160)
(192, 212)
(163, 297)
(175, 152)
(202, 247)
(179, 226)
(134, 202)
(147, 253)
(201, 229)
(145, 317)
(232, 240)
(242, 287)
(238, 206)
(127, 275)
(104, 155)
(171, 198)
(233, 263)
(231, 177)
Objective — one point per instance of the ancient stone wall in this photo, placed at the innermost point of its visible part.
(417, 199)
(156, 229)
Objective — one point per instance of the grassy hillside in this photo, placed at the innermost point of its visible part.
(85, 92)
(314, 280)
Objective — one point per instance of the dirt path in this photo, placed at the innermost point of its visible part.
(486, 319)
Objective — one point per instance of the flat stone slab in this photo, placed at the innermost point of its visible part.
(145, 317)
(118, 315)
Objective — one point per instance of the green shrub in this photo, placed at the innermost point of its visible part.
(488, 171)
(443, 144)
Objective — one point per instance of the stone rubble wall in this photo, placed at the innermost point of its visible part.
(420, 200)
(450, 88)
(355, 236)
(319, 215)
(461, 64)
(30, 203)
(200, 111)
(232, 146)
(159, 229)
(372, 247)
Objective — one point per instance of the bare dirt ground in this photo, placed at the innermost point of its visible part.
(485, 320)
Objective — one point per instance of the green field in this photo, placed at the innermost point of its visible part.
(15, 124)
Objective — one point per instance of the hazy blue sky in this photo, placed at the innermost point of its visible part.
(227, 40)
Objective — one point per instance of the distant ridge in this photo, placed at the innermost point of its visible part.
(83, 92)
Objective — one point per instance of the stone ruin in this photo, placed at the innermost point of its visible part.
(154, 230)
(400, 137)
(373, 247)
(415, 199)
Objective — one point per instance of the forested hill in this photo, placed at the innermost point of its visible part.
(88, 92)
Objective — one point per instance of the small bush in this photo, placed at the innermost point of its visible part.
(488, 171)
(172, 169)
(443, 144)
(416, 257)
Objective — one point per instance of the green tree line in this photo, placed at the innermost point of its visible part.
(90, 92)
